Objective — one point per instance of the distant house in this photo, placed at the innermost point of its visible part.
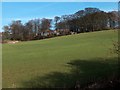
(47, 33)
(56, 32)
(63, 31)
(52, 33)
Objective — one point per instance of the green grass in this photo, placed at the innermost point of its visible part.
(55, 60)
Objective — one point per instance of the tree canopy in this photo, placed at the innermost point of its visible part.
(87, 20)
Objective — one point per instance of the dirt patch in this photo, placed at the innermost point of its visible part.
(12, 42)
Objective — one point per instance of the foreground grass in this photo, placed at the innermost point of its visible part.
(42, 62)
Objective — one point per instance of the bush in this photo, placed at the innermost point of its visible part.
(116, 47)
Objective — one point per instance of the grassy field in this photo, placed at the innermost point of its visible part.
(59, 61)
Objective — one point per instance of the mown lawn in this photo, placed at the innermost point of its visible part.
(59, 61)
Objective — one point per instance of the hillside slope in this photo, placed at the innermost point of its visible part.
(25, 61)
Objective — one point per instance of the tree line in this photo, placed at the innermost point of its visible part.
(87, 20)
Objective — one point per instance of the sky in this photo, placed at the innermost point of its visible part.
(60, 0)
(25, 11)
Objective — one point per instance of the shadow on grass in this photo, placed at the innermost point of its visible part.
(82, 72)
